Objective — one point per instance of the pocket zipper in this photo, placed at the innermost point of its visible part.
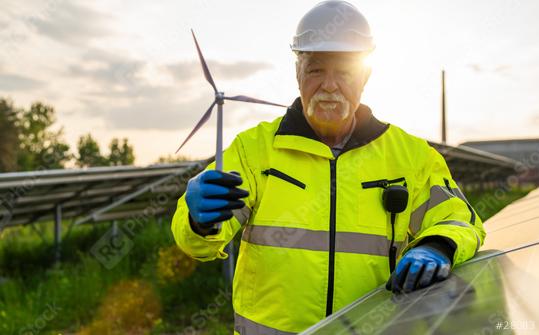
(383, 183)
(283, 176)
(470, 208)
(448, 186)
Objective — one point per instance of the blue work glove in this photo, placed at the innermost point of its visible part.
(418, 268)
(212, 195)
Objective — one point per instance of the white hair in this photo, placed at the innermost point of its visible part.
(301, 57)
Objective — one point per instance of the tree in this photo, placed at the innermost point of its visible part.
(39, 146)
(121, 154)
(89, 153)
(28, 142)
(9, 140)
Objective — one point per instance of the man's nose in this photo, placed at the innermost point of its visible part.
(329, 84)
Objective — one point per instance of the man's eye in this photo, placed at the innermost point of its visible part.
(314, 71)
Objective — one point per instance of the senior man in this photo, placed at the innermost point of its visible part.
(327, 196)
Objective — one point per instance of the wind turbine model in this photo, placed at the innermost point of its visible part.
(228, 266)
(219, 101)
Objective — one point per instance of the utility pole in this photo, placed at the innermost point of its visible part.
(444, 125)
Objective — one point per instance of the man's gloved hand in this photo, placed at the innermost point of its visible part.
(420, 267)
(212, 195)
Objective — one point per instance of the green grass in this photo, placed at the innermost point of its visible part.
(36, 294)
(39, 295)
(489, 202)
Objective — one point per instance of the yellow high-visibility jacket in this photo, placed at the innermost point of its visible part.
(315, 235)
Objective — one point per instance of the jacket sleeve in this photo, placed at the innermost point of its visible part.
(210, 247)
(440, 209)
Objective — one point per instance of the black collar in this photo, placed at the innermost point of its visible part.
(294, 123)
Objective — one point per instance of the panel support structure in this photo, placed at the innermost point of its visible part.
(57, 233)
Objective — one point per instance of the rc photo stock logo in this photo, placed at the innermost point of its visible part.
(117, 242)
(112, 248)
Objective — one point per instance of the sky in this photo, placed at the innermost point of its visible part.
(130, 69)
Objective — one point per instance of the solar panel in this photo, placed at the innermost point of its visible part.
(91, 194)
(494, 293)
(469, 165)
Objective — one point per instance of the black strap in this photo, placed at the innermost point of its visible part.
(392, 247)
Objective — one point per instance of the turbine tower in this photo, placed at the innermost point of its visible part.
(219, 101)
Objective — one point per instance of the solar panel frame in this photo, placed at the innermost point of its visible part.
(32, 197)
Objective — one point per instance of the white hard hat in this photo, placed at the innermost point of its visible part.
(333, 26)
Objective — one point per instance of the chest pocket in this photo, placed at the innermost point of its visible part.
(285, 199)
(374, 216)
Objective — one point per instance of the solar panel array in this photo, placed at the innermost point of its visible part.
(92, 194)
(112, 193)
(472, 166)
(493, 293)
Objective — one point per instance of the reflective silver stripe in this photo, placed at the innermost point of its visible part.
(453, 223)
(242, 215)
(359, 243)
(317, 240)
(417, 217)
(462, 224)
(245, 326)
(286, 237)
(461, 195)
(402, 245)
(438, 194)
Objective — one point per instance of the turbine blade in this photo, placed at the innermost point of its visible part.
(204, 65)
(253, 100)
(200, 123)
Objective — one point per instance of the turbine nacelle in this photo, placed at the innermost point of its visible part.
(220, 98)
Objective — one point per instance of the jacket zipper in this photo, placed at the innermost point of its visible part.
(283, 176)
(332, 230)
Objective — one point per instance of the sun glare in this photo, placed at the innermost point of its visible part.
(368, 60)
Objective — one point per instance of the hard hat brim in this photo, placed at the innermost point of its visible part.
(331, 47)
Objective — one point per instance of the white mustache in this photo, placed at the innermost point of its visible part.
(328, 97)
(334, 97)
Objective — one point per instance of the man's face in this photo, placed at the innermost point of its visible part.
(330, 85)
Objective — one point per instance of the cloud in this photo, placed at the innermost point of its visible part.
(11, 38)
(119, 93)
(476, 67)
(14, 82)
(219, 71)
(70, 23)
(534, 119)
(107, 68)
(502, 69)
(154, 109)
